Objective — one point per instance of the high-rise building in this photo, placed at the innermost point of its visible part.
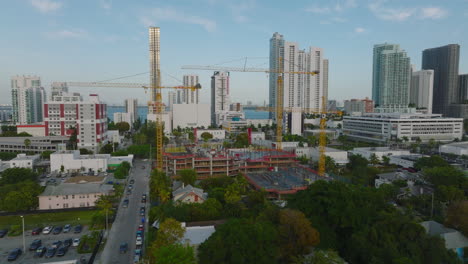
(391, 76)
(190, 96)
(422, 83)
(276, 52)
(28, 98)
(155, 67)
(58, 88)
(171, 99)
(68, 111)
(463, 86)
(444, 61)
(299, 90)
(359, 105)
(220, 98)
(131, 107)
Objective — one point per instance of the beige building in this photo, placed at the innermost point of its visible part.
(72, 195)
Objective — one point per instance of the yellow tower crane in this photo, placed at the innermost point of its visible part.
(157, 106)
(280, 109)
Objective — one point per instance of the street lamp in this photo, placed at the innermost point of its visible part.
(24, 242)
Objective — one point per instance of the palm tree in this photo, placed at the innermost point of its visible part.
(27, 142)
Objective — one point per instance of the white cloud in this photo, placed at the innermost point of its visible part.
(340, 6)
(318, 10)
(240, 9)
(403, 14)
(359, 30)
(333, 20)
(170, 14)
(106, 4)
(46, 6)
(433, 13)
(73, 34)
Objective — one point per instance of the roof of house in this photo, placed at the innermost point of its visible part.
(453, 238)
(196, 235)
(76, 188)
(187, 190)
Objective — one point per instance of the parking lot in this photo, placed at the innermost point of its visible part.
(8, 243)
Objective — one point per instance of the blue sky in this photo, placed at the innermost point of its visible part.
(67, 40)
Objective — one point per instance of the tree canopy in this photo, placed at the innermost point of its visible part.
(16, 175)
(430, 162)
(188, 176)
(123, 126)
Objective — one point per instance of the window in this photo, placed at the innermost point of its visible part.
(73, 196)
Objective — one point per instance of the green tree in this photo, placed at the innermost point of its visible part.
(457, 216)
(321, 257)
(73, 140)
(160, 186)
(176, 253)
(430, 162)
(106, 149)
(374, 160)
(84, 151)
(123, 126)
(386, 160)
(241, 241)
(241, 141)
(188, 176)
(170, 232)
(233, 194)
(46, 154)
(16, 175)
(27, 143)
(206, 136)
(296, 234)
(445, 176)
(20, 196)
(62, 168)
(330, 165)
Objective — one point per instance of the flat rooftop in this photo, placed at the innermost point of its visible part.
(76, 188)
(283, 181)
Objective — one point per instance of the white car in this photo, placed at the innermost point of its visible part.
(139, 241)
(76, 242)
(47, 230)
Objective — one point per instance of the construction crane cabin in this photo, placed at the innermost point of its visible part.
(279, 109)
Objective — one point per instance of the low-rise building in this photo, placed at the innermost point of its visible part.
(24, 161)
(339, 156)
(379, 152)
(72, 161)
(457, 148)
(72, 195)
(36, 144)
(454, 240)
(405, 161)
(235, 125)
(189, 194)
(114, 136)
(35, 130)
(385, 127)
(216, 133)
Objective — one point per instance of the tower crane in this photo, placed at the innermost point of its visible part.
(156, 105)
(279, 109)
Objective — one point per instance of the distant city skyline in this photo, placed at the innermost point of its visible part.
(54, 42)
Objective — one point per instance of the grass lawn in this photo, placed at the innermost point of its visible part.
(61, 218)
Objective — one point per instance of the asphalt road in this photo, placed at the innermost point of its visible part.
(9, 243)
(127, 219)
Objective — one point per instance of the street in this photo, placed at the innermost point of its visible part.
(127, 220)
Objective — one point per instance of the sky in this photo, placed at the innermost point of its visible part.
(95, 40)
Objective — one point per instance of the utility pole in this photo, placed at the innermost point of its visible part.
(24, 241)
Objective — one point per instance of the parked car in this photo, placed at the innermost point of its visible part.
(67, 242)
(40, 251)
(66, 228)
(125, 203)
(62, 251)
(136, 259)
(132, 181)
(129, 192)
(138, 252)
(57, 244)
(139, 241)
(76, 242)
(139, 233)
(78, 229)
(36, 231)
(57, 230)
(141, 228)
(47, 230)
(35, 244)
(50, 252)
(123, 247)
(3, 232)
(14, 254)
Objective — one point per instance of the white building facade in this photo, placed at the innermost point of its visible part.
(217, 133)
(72, 161)
(24, 161)
(220, 95)
(190, 96)
(131, 107)
(27, 97)
(422, 85)
(385, 127)
(191, 115)
(123, 117)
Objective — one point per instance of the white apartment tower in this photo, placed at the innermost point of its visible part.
(421, 89)
(220, 98)
(131, 107)
(172, 99)
(58, 88)
(27, 99)
(190, 96)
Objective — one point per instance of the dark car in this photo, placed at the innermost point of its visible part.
(66, 228)
(132, 181)
(35, 244)
(125, 203)
(36, 231)
(40, 251)
(57, 230)
(57, 244)
(68, 242)
(62, 251)
(129, 192)
(14, 254)
(78, 229)
(3, 232)
(50, 252)
(123, 247)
